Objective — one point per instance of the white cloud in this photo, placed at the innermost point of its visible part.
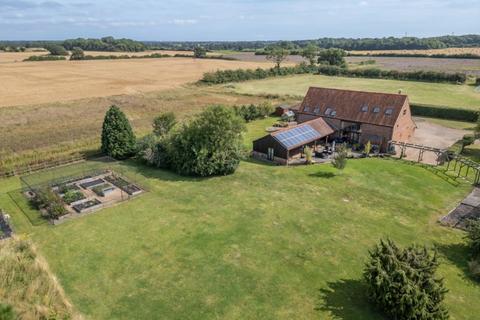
(183, 22)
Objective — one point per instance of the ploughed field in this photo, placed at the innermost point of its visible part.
(469, 66)
(25, 83)
(441, 94)
(275, 243)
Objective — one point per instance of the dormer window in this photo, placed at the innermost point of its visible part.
(376, 110)
(333, 113)
(364, 108)
(328, 111)
(317, 110)
(306, 108)
(389, 111)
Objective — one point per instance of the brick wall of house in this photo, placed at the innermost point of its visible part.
(405, 126)
(376, 135)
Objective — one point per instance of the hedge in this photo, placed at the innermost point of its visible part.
(441, 112)
(375, 73)
(239, 75)
(45, 58)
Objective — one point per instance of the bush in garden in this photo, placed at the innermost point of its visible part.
(252, 112)
(308, 155)
(48, 201)
(211, 144)
(402, 282)
(118, 140)
(164, 123)
(340, 159)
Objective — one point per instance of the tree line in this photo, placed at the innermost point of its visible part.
(386, 43)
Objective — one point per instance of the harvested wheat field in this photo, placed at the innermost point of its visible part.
(55, 81)
(449, 51)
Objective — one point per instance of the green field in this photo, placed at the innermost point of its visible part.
(268, 242)
(441, 94)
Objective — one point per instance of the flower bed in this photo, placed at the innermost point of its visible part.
(93, 183)
(72, 196)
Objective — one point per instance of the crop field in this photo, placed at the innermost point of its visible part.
(245, 252)
(468, 66)
(462, 96)
(451, 51)
(58, 81)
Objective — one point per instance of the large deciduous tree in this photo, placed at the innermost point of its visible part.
(310, 52)
(118, 140)
(209, 145)
(277, 55)
(199, 52)
(332, 56)
(402, 282)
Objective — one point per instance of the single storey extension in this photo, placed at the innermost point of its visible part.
(352, 117)
(283, 145)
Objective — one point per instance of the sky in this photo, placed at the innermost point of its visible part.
(208, 20)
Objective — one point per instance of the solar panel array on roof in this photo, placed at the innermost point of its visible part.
(297, 136)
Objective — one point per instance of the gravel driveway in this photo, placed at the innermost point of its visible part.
(432, 135)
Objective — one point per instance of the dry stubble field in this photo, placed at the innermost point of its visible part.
(29, 83)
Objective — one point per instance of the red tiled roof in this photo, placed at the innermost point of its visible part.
(348, 104)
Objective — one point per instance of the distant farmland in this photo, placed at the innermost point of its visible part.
(25, 83)
(450, 51)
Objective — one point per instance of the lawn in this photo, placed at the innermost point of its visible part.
(268, 242)
(441, 94)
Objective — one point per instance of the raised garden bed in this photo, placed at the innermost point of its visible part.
(121, 183)
(103, 189)
(93, 183)
(73, 196)
(88, 205)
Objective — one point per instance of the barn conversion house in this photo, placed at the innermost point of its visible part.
(355, 117)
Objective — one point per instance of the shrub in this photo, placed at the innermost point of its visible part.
(56, 50)
(474, 238)
(118, 140)
(164, 123)
(6, 312)
(340, 159)
(49, 202)
(146, 148)
(209, 145)
(77, 54)
(308, 155)
(402, 282)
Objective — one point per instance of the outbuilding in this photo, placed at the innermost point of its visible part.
(287, 144)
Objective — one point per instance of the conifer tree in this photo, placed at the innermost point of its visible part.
(118, 140)
(402, 282)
